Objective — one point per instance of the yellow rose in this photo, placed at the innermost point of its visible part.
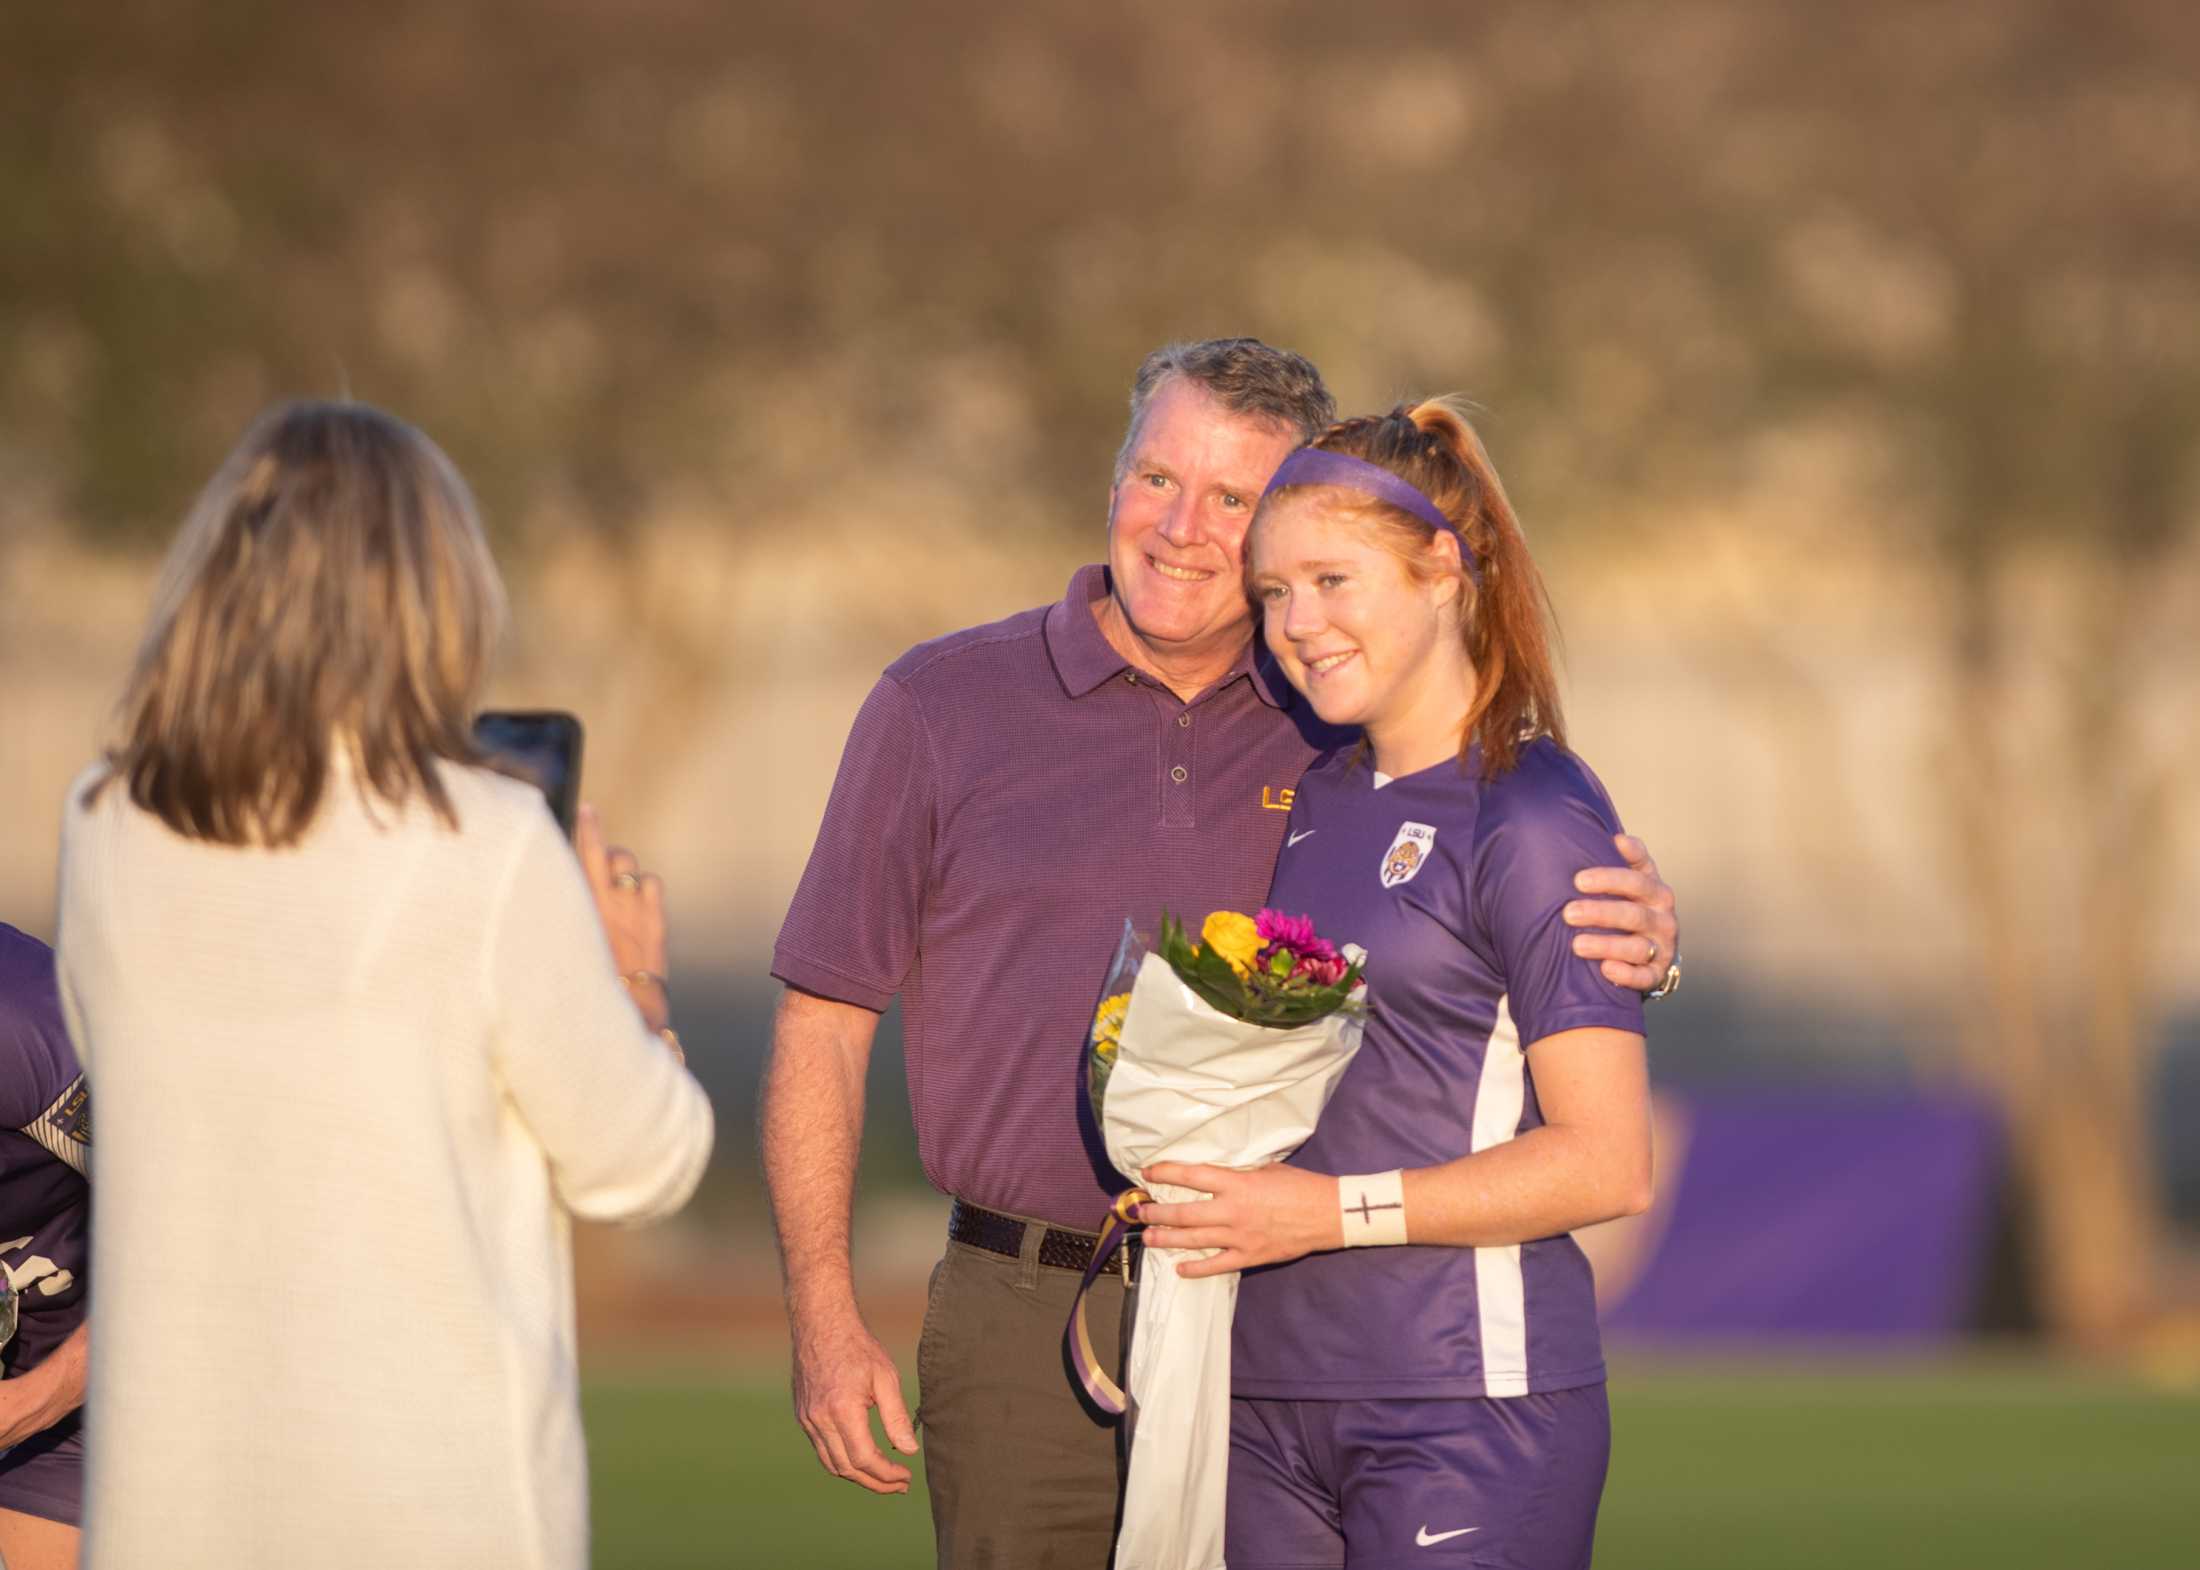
(1234, 937)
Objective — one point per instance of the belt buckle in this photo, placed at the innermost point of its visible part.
(1123, 1262)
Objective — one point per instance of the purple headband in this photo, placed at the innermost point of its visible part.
(1319, 466)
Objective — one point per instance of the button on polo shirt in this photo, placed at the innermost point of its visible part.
(1008, 797)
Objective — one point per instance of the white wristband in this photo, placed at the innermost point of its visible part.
(1373, 1208)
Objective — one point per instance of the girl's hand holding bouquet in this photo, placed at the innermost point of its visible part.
(1261, 1217)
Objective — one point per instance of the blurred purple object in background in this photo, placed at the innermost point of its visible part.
(1820, 1215)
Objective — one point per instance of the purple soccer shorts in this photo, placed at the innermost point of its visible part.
(1417, 1485)
(44, 1475)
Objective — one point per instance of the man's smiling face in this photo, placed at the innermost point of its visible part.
(1177, 519)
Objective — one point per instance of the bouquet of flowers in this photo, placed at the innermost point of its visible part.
(1269, 969)
(1225, 1051)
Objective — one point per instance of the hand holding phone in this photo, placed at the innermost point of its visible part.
(632, 905)
(544, 747)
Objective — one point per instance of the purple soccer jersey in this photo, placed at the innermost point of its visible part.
(1455, 888)
(45, 1145)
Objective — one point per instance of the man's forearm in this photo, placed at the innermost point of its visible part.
(42, 1396)
(812, 1127)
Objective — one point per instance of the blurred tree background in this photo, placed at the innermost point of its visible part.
(1845, 361)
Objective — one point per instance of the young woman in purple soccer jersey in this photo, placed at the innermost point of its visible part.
(1417, 1374)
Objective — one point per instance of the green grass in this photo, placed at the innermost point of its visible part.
(1778, 1467)
(2002, 1468)
(714, 1472)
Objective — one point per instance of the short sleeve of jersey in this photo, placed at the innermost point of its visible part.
(1540, 824)
(851, 933)
(41, 1085)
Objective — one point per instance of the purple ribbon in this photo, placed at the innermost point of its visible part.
(1106, 1394)
(1319, 466)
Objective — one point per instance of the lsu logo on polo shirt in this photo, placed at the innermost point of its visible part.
(1408, 853)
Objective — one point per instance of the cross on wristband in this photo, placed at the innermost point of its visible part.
(1372, 1208)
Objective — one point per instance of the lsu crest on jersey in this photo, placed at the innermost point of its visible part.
(1408, 853)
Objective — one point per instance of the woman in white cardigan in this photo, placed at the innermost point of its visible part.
(362, 1031)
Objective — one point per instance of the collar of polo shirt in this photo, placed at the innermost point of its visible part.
(1084, 659)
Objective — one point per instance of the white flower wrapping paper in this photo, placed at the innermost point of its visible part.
(1192, 1084)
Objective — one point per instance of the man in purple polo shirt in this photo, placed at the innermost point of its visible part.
(1008, 796)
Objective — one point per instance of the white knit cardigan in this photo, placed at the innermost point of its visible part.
(346, 1095)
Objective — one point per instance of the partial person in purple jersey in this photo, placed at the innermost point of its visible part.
(1125, 751)
(45, 1217)
(1442, 1398)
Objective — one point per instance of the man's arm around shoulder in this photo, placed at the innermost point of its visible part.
(812, 1132)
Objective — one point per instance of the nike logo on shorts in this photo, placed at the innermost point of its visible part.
(1293, 840)
(1427, 1539)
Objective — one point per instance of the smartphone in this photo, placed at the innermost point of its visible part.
(542, 746)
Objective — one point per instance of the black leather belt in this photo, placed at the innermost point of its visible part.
(1062, 1248)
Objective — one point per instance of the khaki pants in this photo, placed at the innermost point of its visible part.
(1023, 1474)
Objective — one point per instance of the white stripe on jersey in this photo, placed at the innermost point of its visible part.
(1500, 1292)
(64, 1128)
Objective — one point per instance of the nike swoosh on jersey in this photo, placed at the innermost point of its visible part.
(1293, 840)
(1427, 1539)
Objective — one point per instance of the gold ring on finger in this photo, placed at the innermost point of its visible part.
(632, 881)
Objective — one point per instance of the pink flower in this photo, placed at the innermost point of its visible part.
(1322, 972)
(1295, 933)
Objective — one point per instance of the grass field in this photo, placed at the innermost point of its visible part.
(2003, 1466)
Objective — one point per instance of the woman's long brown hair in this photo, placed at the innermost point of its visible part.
(331, 589)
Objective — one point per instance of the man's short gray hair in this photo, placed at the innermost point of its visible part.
(1245, 376)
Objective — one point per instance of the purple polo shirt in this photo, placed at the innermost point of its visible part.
(1008, 796)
